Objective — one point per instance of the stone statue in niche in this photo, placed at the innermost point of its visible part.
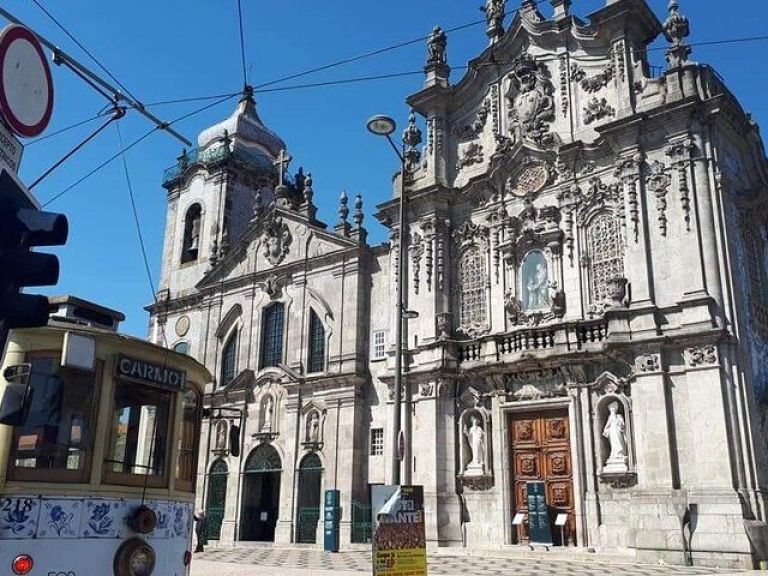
(614, 431)
(313, 430)
(269, 408)
(476, 439)
(535, 282)
(221, 436)
(194, 234)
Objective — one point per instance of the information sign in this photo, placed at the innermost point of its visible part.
(399, 533)
(10, 150)
(539, 528)
(331, 521)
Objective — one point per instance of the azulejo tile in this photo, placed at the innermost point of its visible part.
(59, 518)
(164, 527)
(102, 518)
(18, 517)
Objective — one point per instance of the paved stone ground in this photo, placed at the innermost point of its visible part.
(310, 562)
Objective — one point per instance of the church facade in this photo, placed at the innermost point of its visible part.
(587, 255)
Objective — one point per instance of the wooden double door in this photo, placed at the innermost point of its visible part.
(540, 451)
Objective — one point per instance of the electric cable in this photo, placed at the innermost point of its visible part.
(67, 129)
(83, 48)
(130, 146)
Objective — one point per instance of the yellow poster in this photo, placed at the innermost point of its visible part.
(399, 538)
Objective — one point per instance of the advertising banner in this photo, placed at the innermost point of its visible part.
(399, 534)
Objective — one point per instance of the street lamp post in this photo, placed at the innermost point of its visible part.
(385, 126)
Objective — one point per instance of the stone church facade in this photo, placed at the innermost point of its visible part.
(588, 257)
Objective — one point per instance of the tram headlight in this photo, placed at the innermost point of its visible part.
(22, 564)
(135, 558)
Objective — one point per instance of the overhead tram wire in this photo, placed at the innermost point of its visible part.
(381, 50)
(95, 81)
(83, 48)
(68, 128)
(131, 146)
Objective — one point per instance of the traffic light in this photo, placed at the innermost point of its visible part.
(24, 226)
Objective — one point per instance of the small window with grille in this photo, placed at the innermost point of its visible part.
(377, 441)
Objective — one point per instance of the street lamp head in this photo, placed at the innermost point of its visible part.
(381, 125)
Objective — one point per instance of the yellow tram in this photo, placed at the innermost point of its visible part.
(97, 476)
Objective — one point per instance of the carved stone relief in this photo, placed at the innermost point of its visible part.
(595, 83)
(276, 239)
(531, 102)
(473, 154)
(648, 363)
(705, 355)
(597, 110)
(658, 182)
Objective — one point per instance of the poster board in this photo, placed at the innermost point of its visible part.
(539, 528)
(399, 534)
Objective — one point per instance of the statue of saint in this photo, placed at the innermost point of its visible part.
(269, 407)
(314, 428)
(494, 15)
(476, 440)
(614, 431)
(538, 288)
(436, 46)
(194, 234)
(221, 435)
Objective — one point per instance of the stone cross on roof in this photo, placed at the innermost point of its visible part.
(282, 162)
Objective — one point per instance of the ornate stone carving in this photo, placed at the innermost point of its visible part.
(681, 152)
(529, 181)
(473, 130)
(494, 16)
(276, 239)
(658, 182)
(597, 110)
(628, 169)
(443, 322)
(426, 389)
(702, 355)
(676, 30)
(617, 291)
(473, 154)
(648, 363)
(592, 84)
(417, 249)
(436, 46)
(477, 483)
(532, 107)
(445, 387)
(532, 385)
(564, 97)
(272, 286)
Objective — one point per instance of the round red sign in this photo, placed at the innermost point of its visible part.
(26, 86)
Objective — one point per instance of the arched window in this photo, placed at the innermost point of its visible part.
(229, 360)
(181, 347)
(472, 297)
(316, 343)
(272, 336)
(191, 246)
(606, 254)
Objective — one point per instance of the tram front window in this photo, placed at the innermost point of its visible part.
(56, 441)
(139, 438)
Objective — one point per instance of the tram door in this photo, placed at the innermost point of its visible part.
(217, 497)
(261, 495)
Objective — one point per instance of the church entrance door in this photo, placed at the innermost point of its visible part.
(261, 495)
(217, 497)
(540, 450)
(308, 513)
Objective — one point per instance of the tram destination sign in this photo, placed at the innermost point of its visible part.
(145, 372)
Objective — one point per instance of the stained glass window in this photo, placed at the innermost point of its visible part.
(229, 360)
(316, 343)
(472, 297)
(272, 336)
(606, 252)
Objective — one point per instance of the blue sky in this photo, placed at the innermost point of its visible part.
(170, 49)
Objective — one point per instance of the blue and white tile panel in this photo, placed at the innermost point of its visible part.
(58, 518)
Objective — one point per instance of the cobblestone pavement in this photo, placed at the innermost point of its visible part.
(287, 561)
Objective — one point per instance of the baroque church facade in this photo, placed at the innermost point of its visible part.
(587, 252)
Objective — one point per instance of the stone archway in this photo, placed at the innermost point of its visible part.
(310, 498)
(261, 495)
(216, 500)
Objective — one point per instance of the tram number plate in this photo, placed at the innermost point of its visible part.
(62, 573)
